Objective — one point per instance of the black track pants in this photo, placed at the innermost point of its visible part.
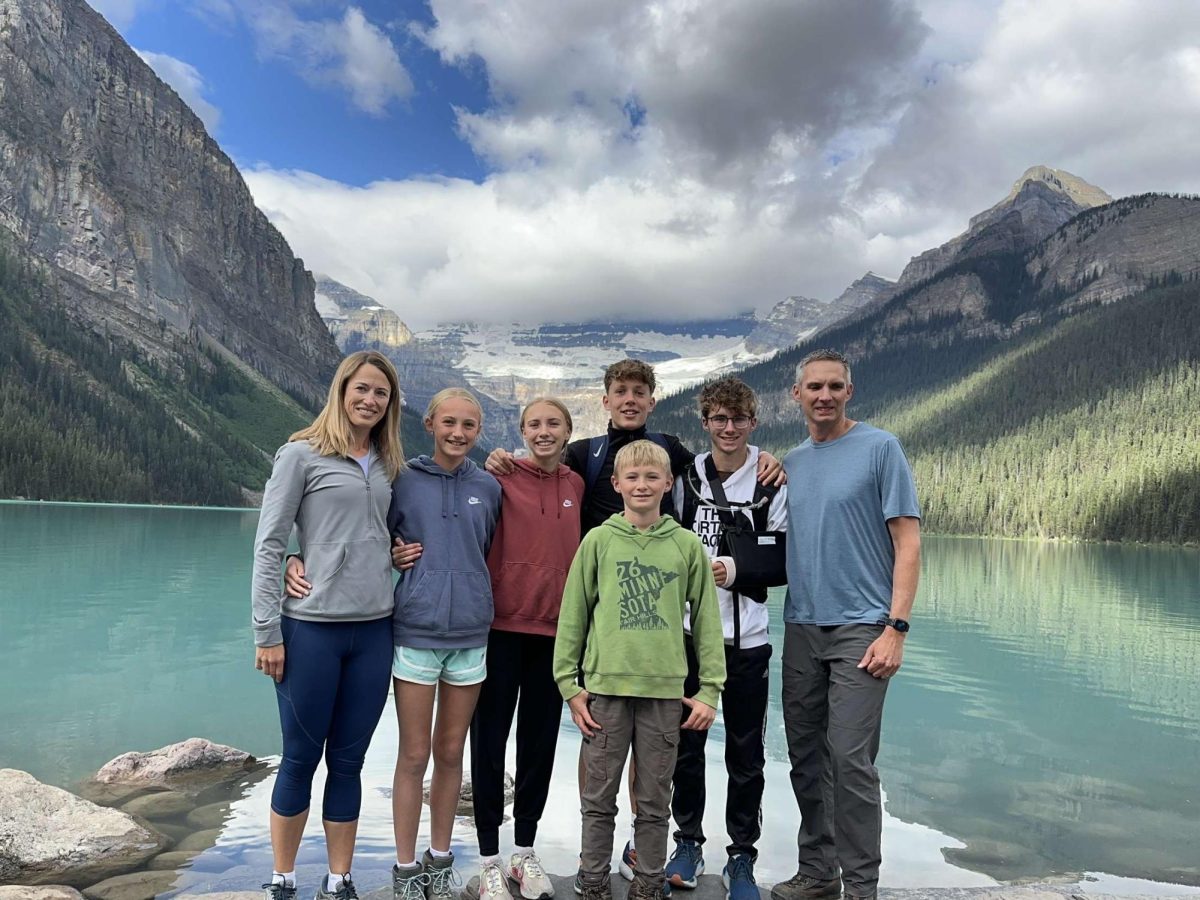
(518, 666)
(744, 715)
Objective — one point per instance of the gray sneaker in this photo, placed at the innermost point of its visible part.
(347, 891)
(272, 891)
(805, 887)
(443, 880)
(872, 895)
(409, 883)
(646, 888)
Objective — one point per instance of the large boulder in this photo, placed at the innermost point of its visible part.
(189, 766)
(50, 836)
(133, 886)
(50, 892)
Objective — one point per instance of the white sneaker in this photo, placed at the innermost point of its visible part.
(526, 870)
(490, 884)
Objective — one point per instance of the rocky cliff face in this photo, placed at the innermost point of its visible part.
(1040, 201)
(794, 319)
(142, 224)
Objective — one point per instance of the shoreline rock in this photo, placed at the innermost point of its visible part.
(189, 766)
(51, 836)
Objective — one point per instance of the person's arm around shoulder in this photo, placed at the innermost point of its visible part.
(886, 653)
(574, 617)
(708, 639)
(281, 502)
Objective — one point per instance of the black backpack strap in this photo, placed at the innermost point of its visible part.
(764, 496)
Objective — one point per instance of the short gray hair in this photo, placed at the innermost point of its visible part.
(825, 355)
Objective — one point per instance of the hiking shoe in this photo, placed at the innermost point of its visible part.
(849, 896)
(686, 864)
(738, 876)
(487, 885)
(442, 879)
(279, 891)
(599, 889)
(628, 861)
(347, 890)
(533, 882)
(409, 883)
(806, 887)
(644, 888)
(578, 882)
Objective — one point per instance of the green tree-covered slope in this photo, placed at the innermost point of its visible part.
(84, 417)
(1086, 427)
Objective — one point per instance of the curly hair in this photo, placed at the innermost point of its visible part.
(729, 392)
(630, 370)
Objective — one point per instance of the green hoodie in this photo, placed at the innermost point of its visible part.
(622, 611)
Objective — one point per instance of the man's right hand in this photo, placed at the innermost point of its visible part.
(293, 579)
(499, 462)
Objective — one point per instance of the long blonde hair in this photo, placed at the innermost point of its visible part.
(330, 433)
(452, 393)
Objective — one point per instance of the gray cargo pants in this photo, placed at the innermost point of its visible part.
(832, 712)
(652, 726)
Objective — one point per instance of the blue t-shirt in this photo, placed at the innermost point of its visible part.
(839, 550)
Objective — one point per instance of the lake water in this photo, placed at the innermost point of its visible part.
(1046, 723)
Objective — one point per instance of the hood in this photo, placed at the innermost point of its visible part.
(549, 486)
(451, 482)
(660, 529)
(426, 464)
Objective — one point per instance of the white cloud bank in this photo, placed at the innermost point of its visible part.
(691, 157)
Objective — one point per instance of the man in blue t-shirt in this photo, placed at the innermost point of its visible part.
(854, 555)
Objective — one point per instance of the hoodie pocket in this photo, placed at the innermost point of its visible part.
(448, 603)
(322, 562)
(529, 591)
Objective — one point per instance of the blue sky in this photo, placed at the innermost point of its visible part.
(549, 160)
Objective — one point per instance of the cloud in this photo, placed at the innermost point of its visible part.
(694, 157)
(188, 84)
(350, 53)
(119, 13)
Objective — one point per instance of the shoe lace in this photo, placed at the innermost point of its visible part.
(412, 887)
(493, 881)
(532, 866)
(443, 881)
(599, 891)
(347, 891)
(741, 867)
(280, 891)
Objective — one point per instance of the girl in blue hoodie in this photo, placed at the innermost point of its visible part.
(449, 506)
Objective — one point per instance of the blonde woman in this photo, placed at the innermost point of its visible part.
(329, 651)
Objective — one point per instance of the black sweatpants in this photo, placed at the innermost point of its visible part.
(744, 714)
(518, 665)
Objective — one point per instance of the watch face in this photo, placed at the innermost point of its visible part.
(899, 624)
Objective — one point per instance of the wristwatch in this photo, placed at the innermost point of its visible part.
(901, 625)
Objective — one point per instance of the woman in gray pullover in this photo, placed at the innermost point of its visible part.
(329, 651)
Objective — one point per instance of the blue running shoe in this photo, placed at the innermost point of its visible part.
(738, 876)
(628, 861)
(686, 864)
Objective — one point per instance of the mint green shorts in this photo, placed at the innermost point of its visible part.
(423, 666)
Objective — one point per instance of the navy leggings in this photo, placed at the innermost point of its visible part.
(334, 687)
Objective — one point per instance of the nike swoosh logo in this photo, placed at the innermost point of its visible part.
(599, 450)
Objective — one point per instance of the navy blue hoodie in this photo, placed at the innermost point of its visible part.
(445, 600)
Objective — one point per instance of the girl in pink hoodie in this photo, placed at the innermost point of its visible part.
(530, 554)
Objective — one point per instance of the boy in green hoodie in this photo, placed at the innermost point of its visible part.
(622, 613)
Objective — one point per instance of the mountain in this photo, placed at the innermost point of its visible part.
(1040, 201)
(1043, 387)
(796, 318)
(141, 281)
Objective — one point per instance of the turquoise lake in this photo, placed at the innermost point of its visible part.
(1046, 723)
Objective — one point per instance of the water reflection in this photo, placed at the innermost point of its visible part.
(1046, 721)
